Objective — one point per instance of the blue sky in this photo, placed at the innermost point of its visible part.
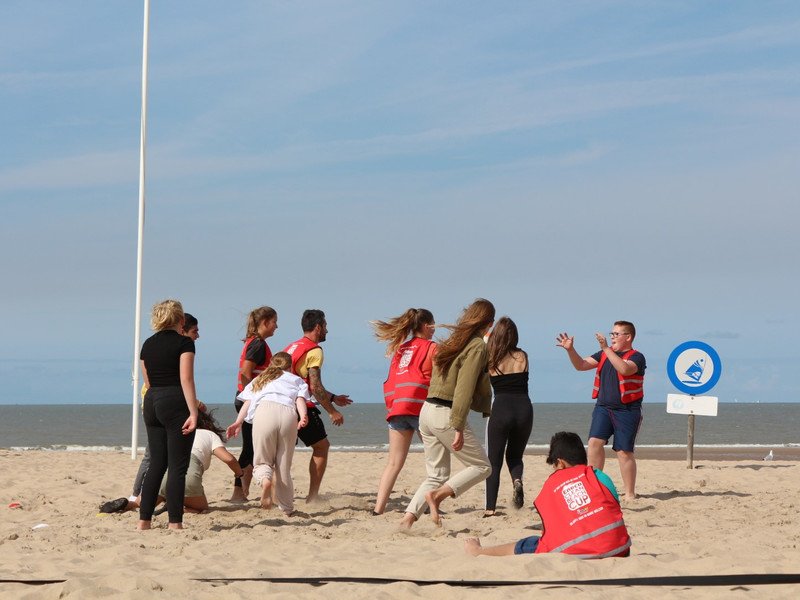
(575, 163)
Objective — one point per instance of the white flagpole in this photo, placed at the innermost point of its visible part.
(138, 326)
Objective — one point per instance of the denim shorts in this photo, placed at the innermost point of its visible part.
(621, 423)
(527, 545)
(404, 423)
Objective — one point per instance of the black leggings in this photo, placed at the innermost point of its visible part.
(508, 431)
(165, 412)
(246, 456)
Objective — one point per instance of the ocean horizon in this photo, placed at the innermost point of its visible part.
(108, 426)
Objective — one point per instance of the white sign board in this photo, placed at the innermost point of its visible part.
(679, 404)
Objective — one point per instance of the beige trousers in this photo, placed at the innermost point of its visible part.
(274, 437)
(437, 435)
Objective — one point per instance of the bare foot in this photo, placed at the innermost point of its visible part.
(488, 513)
(238, 495)
(434, 499)
(143, 525)
(288, 513)
(407, 521)
(266, 493)
(472, 546)
(247, 478)
(630, 497)
(175, 526)
(312, 499)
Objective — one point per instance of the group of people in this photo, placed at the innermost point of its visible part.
(430, 389)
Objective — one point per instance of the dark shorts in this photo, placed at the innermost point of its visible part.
(527, 545)
(621, 423)
(315, 430)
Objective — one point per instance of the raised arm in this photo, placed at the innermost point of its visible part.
(623, 367)
(580, 363)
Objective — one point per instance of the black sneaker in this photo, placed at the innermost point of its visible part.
(519, 495)
(114, 506)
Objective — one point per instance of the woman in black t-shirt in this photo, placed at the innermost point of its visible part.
(170, 410)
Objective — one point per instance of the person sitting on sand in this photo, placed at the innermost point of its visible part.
(207, 442)
(579, 508)
(272, 403)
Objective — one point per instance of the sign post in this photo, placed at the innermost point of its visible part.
(693, 368)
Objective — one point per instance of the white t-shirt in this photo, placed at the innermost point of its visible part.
(283, 390)
(205, 442)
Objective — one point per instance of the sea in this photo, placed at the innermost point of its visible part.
(107, 427)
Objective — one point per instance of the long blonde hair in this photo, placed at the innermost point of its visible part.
(399, 328)
(280, 362)
(474, 320)
(166, 315)
(255, 318)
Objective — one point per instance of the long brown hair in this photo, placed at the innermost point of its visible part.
(255, 318)
(503, 341)
(206, 420)
(280, 362)
(399, 328)
(474, 320)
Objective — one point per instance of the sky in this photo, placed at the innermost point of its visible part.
(574, 162)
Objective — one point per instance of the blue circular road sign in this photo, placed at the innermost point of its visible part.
(694, 368)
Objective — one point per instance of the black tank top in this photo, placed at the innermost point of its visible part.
(510, 383)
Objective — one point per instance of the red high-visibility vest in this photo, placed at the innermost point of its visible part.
(631, 387)
(406, 387)
(297, 350)
(580, 516)
(258, 368)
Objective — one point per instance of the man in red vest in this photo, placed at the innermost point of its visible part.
(307, 361)
(619, 390)
(579, 508)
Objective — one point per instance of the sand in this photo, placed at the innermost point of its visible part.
(720, 518)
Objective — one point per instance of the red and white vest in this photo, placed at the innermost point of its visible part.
(258, 368)
(580, 516)
(406, 387)
(297, 350)
(631, 387)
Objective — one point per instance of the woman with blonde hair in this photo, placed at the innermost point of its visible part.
(272, 403)
(170, 410)
(262, 322)
(406, 387)
(459, 384)
(512, 413)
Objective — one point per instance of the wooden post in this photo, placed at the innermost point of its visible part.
(690, 443)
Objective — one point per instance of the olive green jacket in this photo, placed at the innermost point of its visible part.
(466, 384)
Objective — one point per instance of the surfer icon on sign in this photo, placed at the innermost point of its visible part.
(694, 367)
(695, 371)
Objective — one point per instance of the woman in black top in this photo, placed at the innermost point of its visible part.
(511, 422)
(170, 410)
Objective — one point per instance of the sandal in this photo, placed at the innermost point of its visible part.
(114, 506)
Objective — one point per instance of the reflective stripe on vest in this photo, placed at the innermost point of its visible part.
(631, 387)
(298, 350)
(406, 387)
(588, 536)
(258, 369)
(580, 515)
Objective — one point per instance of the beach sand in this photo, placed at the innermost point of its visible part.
(723, 517)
